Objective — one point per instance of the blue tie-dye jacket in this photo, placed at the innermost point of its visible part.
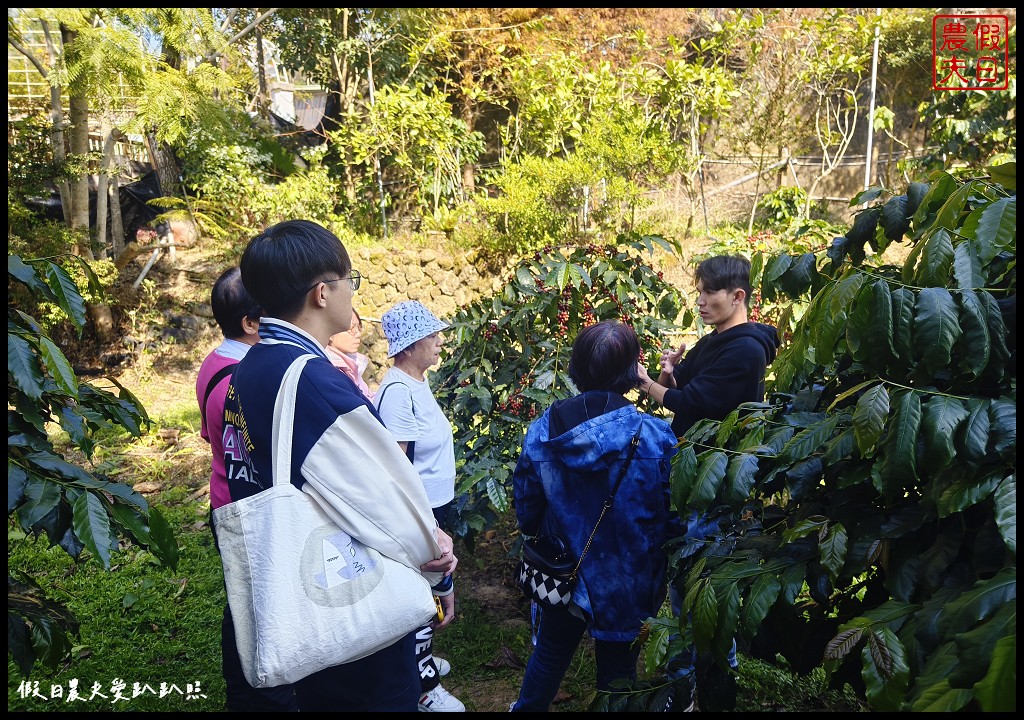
(561, 483)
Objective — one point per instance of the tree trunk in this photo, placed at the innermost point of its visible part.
(78, 103)
(165, 164)
(102, 184)
(116, 222)
(57, 118)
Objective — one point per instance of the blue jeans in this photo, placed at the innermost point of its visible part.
(558, 637)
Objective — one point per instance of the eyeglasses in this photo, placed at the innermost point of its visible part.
(354, 278)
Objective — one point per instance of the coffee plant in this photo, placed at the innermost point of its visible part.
(867, 511)
(48, 494)
(510, 354)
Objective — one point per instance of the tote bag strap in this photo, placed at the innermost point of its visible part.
(284, 420)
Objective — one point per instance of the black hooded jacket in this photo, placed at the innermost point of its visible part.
(723, 370)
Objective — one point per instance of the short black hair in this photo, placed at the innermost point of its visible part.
(604, 357)
(232, 303)
(725, 272)
(281, 264)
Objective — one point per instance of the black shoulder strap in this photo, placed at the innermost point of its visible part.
(410, 448)
(214, 382)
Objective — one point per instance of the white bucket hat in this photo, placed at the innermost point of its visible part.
(406, 323)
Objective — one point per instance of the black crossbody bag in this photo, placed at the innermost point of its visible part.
(547, 571)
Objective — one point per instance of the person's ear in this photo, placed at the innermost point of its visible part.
(739, 296)
(251, 326)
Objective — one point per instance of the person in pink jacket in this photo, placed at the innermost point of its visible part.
(238, 316)
(343, 352)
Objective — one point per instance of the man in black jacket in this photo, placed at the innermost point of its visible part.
(724, 369)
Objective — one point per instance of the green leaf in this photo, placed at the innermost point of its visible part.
(1006, 511)
(683, 477)
(162, 543)
(41, 496)
(27, 275)
(832, 550)
(1003, 428)
(899, 463)
(942, 418)
(710, 474)
(936, 327)
(775, 268)
(974, 341)
(845, 291)
(942, 698)
(59, 367)
(23, 366)
(916, 192)
(972, 440)
(92, 526)
(903, 324)
(997, 691)
(68, 297)
(967, 267)
(1005, 175)
(983, 600)
(938, 192)
(704, 616)
(948, 216)
(869, 418)
(965, 493)
(808, 440)
(997, 229)
(936, 259)
(999, 352)
(740, 477)
(884, 670)
(894, 219)
(764, 591)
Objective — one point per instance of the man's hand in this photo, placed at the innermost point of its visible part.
(447, 562)
(671, 358)
(448, 606)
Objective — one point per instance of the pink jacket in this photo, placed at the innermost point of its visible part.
(353, 366)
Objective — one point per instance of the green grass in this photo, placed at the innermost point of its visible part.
(141, 623)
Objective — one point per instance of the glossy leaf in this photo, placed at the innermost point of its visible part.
(936, 327)
(869, 418)
(764, 591)
(967, 268)
(92, 526)
(810, 439)
(974, 341)
(972, 440)
(997, 229)
(997, 691)
(884, 670)
(1006, 511)
(60, 369)
(710, 474)
(941, 419)
(23, 366)
(895, 220)
(66, 291)
(740, 479)
(832, 550)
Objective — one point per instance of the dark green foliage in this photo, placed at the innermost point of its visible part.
(80, 511)
(867, 513)
(511, 355)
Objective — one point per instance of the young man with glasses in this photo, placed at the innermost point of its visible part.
(294, 270)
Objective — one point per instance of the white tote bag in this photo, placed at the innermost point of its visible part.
(304, 594)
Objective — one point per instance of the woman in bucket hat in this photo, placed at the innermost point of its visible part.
(410, 411)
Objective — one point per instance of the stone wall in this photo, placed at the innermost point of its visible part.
(440, 279)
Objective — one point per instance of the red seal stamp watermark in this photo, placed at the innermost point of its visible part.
(970, 52)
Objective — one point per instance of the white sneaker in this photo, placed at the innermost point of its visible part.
(440, 700)
(443, 666)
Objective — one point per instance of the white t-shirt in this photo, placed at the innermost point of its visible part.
(411, 414)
